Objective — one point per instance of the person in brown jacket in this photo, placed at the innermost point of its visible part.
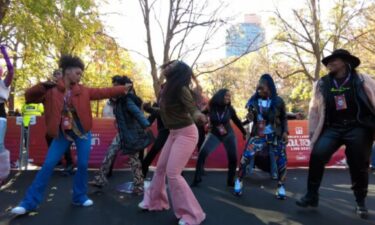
(68, 119)
(342, 112)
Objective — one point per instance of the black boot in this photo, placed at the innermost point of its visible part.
(196, 181)
(110, 172)
(361, 210)
(309, 200)
(230, 182)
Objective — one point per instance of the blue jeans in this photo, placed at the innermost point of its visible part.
(59, 145)
(373, 156)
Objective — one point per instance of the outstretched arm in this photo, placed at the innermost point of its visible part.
(237, 121)
(8, 79)
(104, 93)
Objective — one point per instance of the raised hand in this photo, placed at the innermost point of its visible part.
(128, 87)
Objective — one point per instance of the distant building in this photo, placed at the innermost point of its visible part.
(241, 36)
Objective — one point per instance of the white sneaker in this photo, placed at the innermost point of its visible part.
(238, 187)
(280, 192)
(182, 222)
(146, 184)
(142, 206)
(88, 203)
(19, 210)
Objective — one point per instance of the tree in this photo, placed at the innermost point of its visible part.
(39, 32)
(307, 35)
(364, 40)
(240, 78)
(184, 17)
(305, 43)
(4, 4)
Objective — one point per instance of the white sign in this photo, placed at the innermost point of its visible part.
(32, 120)
(299, 130)
(19, 120)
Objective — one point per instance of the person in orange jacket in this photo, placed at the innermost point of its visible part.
(68, 119)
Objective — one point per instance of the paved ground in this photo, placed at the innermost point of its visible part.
(257, 206)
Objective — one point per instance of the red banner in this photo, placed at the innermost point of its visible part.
(104, 131)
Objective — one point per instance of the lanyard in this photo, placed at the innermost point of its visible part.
(346, 81)
(221, 117)
(67, 99)
(261, 106)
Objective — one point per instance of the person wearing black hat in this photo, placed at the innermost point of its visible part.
(342, 112)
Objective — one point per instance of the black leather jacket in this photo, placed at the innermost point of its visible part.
(366, 113)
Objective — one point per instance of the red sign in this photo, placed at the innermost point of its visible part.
(298, 148)
(104, 131)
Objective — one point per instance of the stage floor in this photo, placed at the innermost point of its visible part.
(257, 206)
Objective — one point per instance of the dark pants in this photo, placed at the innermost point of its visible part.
(358, 142)
(210, 144)
(201, 136)
(156, 148)
(373, 157)
(67, 155)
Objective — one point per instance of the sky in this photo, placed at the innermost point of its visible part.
(124, 22)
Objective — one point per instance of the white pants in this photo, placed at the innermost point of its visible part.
(4, 165)
(3, 130)
(4, 154)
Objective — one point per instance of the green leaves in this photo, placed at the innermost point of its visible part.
(39, 32)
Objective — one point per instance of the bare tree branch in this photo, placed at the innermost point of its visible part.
(289, 75)
(233, 60)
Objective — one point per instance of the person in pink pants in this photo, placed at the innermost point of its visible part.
(179, 114)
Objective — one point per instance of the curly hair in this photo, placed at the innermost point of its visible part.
(69, 61)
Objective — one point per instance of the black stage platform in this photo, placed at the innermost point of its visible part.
(258, 205)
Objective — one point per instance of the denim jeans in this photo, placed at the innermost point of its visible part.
(373, 157)
(36, 191)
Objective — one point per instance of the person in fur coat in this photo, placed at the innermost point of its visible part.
(342, 112)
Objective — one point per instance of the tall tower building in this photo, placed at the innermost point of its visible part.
(244, 37)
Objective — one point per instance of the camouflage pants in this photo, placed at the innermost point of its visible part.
(136, 167)
(135, 163)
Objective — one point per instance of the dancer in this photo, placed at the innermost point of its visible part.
(69, 167)
(178, 112)
(220, 112)
(68, 118)
(133, 135)
(160, 139)
(100, 178)
(4, 95)
(342, 112)
(269, 133)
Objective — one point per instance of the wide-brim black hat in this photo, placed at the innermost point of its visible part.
(344, 55)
